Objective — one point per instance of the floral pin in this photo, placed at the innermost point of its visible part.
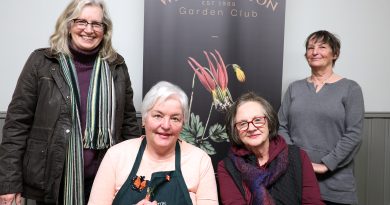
(139, 183)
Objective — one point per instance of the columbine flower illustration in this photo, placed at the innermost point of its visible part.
(215, 79)
(239, 73)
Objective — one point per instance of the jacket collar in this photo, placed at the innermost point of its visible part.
(53, 55)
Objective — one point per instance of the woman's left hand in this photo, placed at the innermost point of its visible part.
(319, 168)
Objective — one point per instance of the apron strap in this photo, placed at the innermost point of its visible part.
(138, 160)
(180, 180)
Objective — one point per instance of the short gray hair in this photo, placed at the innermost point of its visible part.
(162, 91)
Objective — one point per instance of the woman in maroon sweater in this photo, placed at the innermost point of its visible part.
(260, 167)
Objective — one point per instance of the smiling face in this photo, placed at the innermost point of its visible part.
(88, 38)
(319, 55)
(252, 137)
(164, 123)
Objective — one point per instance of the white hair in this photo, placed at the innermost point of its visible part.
(162, 91)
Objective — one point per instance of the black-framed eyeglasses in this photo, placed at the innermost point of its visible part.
(258, 122)
(82, 24)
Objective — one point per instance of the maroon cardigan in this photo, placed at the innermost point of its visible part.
(231, 195)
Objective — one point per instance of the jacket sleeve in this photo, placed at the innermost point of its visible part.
(310, 189)
(347, 147)
(19, 119)
(283, 116)
(130, 127)
(229, 192)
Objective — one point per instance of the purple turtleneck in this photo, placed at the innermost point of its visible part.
(83, 62)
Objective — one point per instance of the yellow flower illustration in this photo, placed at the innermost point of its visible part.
(239, 73)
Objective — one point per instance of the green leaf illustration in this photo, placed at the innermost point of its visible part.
(217, 133)
(192, 130)
(207, 147)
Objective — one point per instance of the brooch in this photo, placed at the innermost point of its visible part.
(139, 183)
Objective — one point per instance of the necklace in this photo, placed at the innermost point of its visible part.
(317, 82)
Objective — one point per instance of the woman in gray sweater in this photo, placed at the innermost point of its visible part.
(323, 114)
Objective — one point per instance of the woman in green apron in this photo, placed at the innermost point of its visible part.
(157, 168)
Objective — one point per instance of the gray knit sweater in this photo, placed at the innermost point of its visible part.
(328, 126)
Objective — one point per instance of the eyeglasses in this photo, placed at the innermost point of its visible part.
(82, 24)
(258, 122)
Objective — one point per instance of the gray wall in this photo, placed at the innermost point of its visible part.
(363, 27)
(372, 164)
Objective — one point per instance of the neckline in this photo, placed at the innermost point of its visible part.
(311, 84)
(317, 82)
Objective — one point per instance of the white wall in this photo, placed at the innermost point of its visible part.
(363, 27)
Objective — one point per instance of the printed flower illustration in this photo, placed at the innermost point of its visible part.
(239, 73)
(214, 79)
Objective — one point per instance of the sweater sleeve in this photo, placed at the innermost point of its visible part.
(206, 193)
(103, 189)
(350, 141)
(310, 189)
(229, 192)
(283, 116)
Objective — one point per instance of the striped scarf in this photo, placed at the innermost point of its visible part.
(99, 124)
(256, 178)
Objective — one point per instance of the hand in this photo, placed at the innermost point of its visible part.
(7, 199)
(319, 168)
(146, 202)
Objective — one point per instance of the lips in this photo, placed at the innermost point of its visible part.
(252, 136)
(164, 135)
(87, 38)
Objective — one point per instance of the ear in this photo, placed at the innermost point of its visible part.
(336, 55)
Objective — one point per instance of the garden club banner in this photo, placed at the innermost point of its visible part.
(215, 50)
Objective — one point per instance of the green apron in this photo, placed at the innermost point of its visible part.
(170, 192)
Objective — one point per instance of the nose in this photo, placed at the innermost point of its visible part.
(251, 126)
(165, 123)
(315, 51)
(88, 28)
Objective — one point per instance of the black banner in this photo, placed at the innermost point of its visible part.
(215, 50)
